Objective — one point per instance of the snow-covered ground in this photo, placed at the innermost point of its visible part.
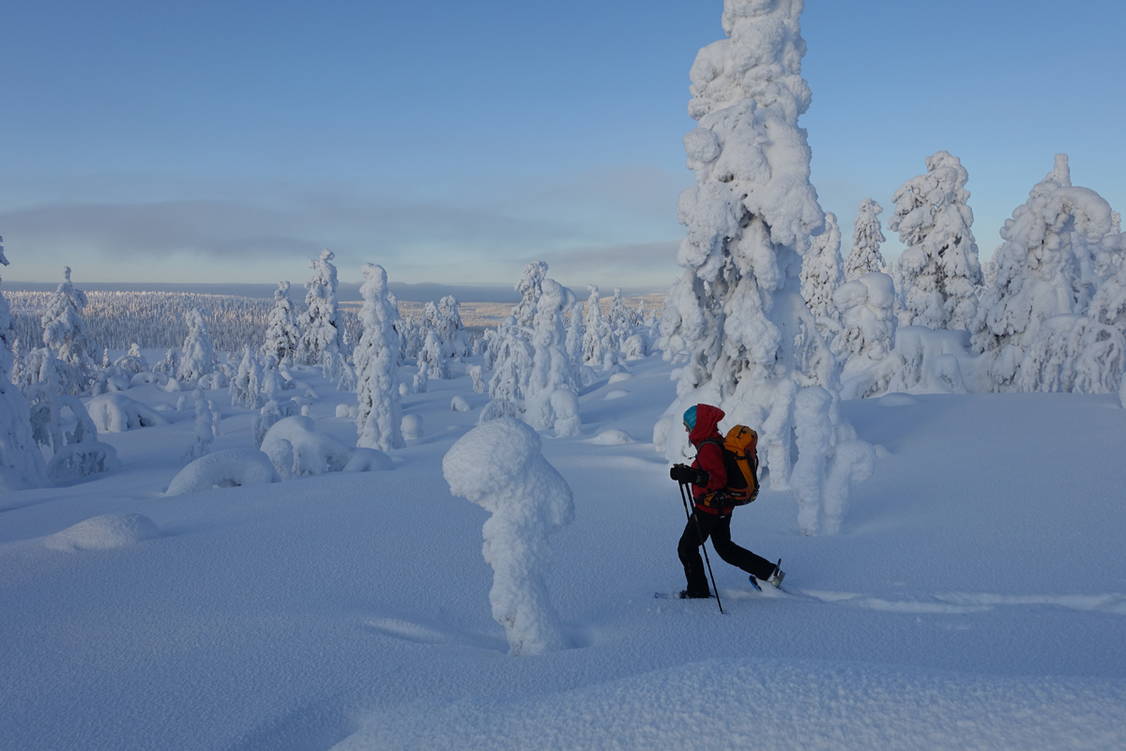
(976, 597)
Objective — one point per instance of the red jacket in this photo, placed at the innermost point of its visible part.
(709, 456)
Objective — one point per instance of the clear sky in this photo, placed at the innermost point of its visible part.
(455, 140)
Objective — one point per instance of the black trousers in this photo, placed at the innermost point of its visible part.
(719, 529)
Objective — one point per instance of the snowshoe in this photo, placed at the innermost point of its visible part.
(776, 578)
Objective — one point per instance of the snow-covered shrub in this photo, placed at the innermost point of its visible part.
(132, 363)
(227, 468)
(939, 270)
(75, 462)
(272, 411)
(197, 356)
(498, 466)
(204, 424)
(282, 333)
(867, 334)
(496, 409)
(867, 237)
(411, 427)
(21, 464)
(1047, 271)
(64, 333)
(619, 377)
(635, 347)
(475, 376)
(116, 413)
(320, 335)
(735, 320)
(105, 532)
(295, 448)
(378, 406)
(458, 404)
(931, 361)
(368, 460)
(552, 371)
(345, 411)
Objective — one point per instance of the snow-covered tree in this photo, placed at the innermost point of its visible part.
(132, 362)
(1033, 326)
(204, 423)
(867, 237)
(735, 318)
(512, 364)
(621, 320)
(821, 273)
(320, 334)
(867, 334)
(529, 289)
(939, 271)
(282, 333)
(378, 413)
(433, 356)
(64, 333)
(21, 464)
(598, 340)
(197, 356)
(246, 383)
(445, 321)
(573, 341)
(551, 400)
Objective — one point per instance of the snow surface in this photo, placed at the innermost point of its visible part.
(974, 598)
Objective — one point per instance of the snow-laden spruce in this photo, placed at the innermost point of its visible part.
(939, 271)
(197, 355)
(735, 318)
(867, 334)
(21, 464)
(867, 237)
(498, 466)
(1033, 329)
(821, 274)
(551, 394)
(378, 405)
(599, 346)
(320, 334)
(64, 333)
(283, 335)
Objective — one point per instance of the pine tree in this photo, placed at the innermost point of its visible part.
(735, 317)
(320, 335)
(867, 237)
(939, 270)
(282, 333)
(64, 333)
(379, 412)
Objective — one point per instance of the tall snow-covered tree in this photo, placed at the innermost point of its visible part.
(320, 334)
(512, 364)
(21, 464)
(939, 270)
(529, 289)
(552, 401)
(64, 333)
(867, 237)
(598, 340)
(821, 271)
(282, 333)
(735, 316)
(1033, 326)
(197, 355)
(379, 412)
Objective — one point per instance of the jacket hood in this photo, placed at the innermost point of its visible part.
(707, 420)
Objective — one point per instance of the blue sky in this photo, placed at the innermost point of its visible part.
(454, 141)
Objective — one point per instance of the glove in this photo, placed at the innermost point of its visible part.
(685, 474)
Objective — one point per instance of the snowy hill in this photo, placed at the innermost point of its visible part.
(976, 597)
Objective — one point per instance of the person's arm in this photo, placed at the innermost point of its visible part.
(709, 458)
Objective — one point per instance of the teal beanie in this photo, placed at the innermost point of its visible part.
(690, 417)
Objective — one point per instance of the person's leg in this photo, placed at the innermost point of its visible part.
(753, 564)
(689, 552)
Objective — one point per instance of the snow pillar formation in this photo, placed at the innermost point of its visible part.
(1054, 317)
(736, 318)
(379, 412)
(498, 466)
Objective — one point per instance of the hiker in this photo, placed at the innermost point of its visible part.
(711, 517)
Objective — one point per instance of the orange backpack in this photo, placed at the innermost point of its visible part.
(740, 459)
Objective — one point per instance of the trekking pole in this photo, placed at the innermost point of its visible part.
(685, 494)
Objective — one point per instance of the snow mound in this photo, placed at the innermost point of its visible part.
(611, 437)
(458, 404)
(228, 468)
(412, 427)
(104, 532)
(115, 413)
(345, 411)
(295, 448)
(616, 394)
(619, 377)
(143, 378)
(368, 460)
